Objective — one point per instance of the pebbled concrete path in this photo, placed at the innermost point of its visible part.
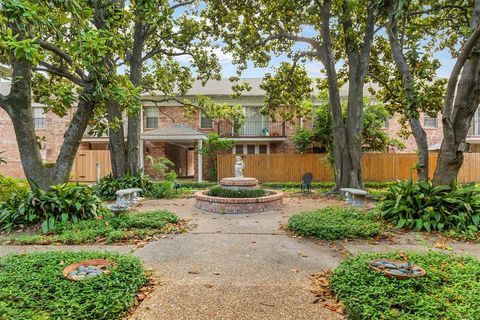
(243, 266)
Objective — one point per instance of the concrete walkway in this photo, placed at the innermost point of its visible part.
(241, 266)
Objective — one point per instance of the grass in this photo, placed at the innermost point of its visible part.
(111, 229)
(335, 223)
(219, 191)
(448, 291)
(32, 287)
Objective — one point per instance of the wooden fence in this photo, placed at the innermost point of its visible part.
(376, 167)
(85, 166)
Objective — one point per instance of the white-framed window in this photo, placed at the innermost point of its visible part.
(430, 122)
(38, 118)
(151, 117)
(205, 122)
(251, 148)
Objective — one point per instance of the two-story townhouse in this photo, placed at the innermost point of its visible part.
(167, 132)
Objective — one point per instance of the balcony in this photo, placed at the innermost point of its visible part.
(253, 129)
(474, 131)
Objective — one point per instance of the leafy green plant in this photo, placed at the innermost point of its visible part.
(64, 203)
(211, 148)
(32, 287)
(219, 191)
(197, 185)
(9, 185)
(108, 185)
(334, 223)
(110, 229)
(160, 165)
(422, 206)
(448, 291)
(302, 138)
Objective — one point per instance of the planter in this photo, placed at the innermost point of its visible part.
(100, 263)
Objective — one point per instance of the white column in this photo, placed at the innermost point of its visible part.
(141, 156)
(199, 162)
(140, 147)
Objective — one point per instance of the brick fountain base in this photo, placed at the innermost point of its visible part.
(272, 201)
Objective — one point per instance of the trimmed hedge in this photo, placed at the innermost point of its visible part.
(218, 191)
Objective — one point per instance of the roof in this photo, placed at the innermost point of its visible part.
(223, 87)
(176, 132)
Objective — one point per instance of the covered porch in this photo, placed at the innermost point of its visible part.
(178, 143)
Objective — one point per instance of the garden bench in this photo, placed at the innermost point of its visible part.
(128, 196)
(354, 197)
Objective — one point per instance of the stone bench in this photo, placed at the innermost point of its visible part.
(128, 196)
(354, 197)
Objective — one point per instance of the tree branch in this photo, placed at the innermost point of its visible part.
(61, 72)
(169, 53)
(62, 54)
(457, 69)
(181, 4)
(284, 35)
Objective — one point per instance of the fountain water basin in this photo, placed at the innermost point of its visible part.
(273, 200)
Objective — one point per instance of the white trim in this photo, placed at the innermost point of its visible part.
(245, 148)
(200, 161)
(247, 139)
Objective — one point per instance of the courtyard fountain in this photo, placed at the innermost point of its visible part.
(273, 200)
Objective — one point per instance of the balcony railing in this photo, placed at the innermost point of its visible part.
(475, 126)
(253, 129)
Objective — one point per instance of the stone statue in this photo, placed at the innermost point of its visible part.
(239, 165)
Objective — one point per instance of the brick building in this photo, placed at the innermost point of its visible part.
(167, 132)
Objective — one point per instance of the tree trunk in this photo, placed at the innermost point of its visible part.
(116, 141)
(404, 69)
(134, 121)
(461, 102)
(20, 112)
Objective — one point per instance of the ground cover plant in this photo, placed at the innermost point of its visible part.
(335, 223)
(424, 207)
(32, 287)
(63, 203)
(124, 228)
(218, 191)
(448, 291)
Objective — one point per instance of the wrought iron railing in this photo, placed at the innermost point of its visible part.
(252, 129)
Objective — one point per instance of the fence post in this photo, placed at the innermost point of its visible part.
(98, 171)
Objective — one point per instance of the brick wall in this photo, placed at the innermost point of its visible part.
(54, 131)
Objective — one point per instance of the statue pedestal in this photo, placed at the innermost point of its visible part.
(239, 183)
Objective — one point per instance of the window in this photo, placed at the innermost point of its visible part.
(239, 149)
(38, 118)
(429, 122)
(205, 122)
(262, 148)
(251, 149)
(151, 114)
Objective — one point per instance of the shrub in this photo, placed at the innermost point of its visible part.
(197, 185)
(32, 287)
(65, 203)
(334, 223)
(110, 229)
(9, 185)
(448, 291)
(219, 191)
(108, 185)
(422, 206)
